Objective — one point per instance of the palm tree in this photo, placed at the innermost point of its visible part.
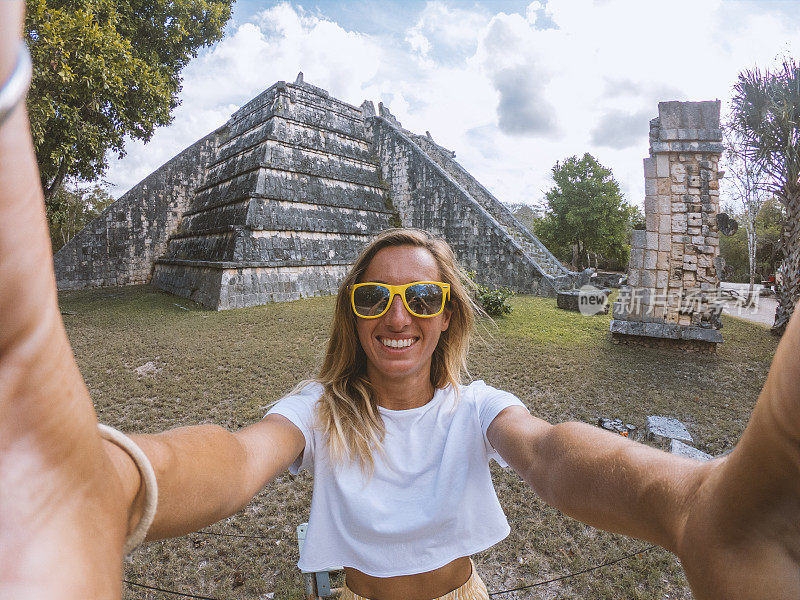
(766, 115)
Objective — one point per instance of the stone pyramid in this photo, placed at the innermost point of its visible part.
(276, 204)
(290, 198)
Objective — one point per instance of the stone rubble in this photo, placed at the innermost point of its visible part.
(617, 426)
(661, 429)
(681, 449)
(587, 300)
(148, 368)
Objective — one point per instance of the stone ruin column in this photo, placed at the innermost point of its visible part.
(672, 286)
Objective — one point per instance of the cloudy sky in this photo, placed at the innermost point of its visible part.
(510, 86)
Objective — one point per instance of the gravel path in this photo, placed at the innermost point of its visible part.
(763, 312)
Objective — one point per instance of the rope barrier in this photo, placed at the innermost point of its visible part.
(497, 593)
(173, 592)
(567, 576)
(238, 535)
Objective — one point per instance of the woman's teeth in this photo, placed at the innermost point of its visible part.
(397, 343)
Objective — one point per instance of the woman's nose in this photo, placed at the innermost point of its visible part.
(397, 316)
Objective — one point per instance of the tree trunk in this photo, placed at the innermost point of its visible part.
(52, 188)
(751, 255)
(575, 256)
(789, 288)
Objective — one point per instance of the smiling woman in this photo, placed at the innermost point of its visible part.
(388, 428)
(365, 354)
(399, 447)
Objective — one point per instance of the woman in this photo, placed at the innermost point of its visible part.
(402, 489)
(68, 498)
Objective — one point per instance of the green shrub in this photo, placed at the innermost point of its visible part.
(493, 300)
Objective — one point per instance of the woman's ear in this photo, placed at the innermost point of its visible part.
(446, 318)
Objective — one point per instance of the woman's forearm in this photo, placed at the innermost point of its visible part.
(612, 483)
(201, 477)
(206, 473)
(601, 478)
(62, 518)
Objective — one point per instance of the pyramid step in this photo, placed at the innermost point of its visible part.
(297, 216)
(300, 134)
(265, 169)
(234, 213)
(247, 246)
(282, 184)
(294, 92)
(279, 155)
(322, 99)
(263, 214)
(281, 104)
(223, 286)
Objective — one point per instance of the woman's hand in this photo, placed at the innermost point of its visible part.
(741, 537)
(67, 498)
(63, 507)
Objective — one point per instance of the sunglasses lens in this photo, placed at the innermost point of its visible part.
(425, 299)
(370, 300)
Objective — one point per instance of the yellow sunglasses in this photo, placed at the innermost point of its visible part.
(421, 298)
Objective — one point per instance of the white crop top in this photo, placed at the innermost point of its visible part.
(430, 500)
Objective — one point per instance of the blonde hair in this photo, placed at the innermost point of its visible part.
(348, 409)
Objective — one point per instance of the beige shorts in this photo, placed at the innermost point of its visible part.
(473, 589)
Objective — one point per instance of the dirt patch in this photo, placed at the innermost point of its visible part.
(148, 369)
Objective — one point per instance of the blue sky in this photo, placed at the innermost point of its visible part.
(376, 17)
(510, 86)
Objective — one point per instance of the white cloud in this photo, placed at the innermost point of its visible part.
(419, 42)
(275, 46)
(510, 93)
(446, 32)
(620, 129)
(538, 14)
(523, 108)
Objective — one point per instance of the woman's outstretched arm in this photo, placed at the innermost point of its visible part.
(206, 473)
(61, 515)
(598, 477)
(734, 522)
(67, 498)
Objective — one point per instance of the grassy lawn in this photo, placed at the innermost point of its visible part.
(227, 367)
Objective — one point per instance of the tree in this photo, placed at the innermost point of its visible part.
(744, 175)
(71, 208)
(766, 116)
(769, 227)
(586, 212)
(106, 69)
(638, 220)
(734, 249)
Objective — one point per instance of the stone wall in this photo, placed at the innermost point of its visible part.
(121, 245)
(426, 197)
(240, 287)
(672, 279)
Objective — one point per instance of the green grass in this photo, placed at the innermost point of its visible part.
(227, 367)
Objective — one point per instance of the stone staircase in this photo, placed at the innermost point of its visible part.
(534, 249)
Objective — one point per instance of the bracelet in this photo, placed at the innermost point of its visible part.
(118, 438)
(16, 86)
